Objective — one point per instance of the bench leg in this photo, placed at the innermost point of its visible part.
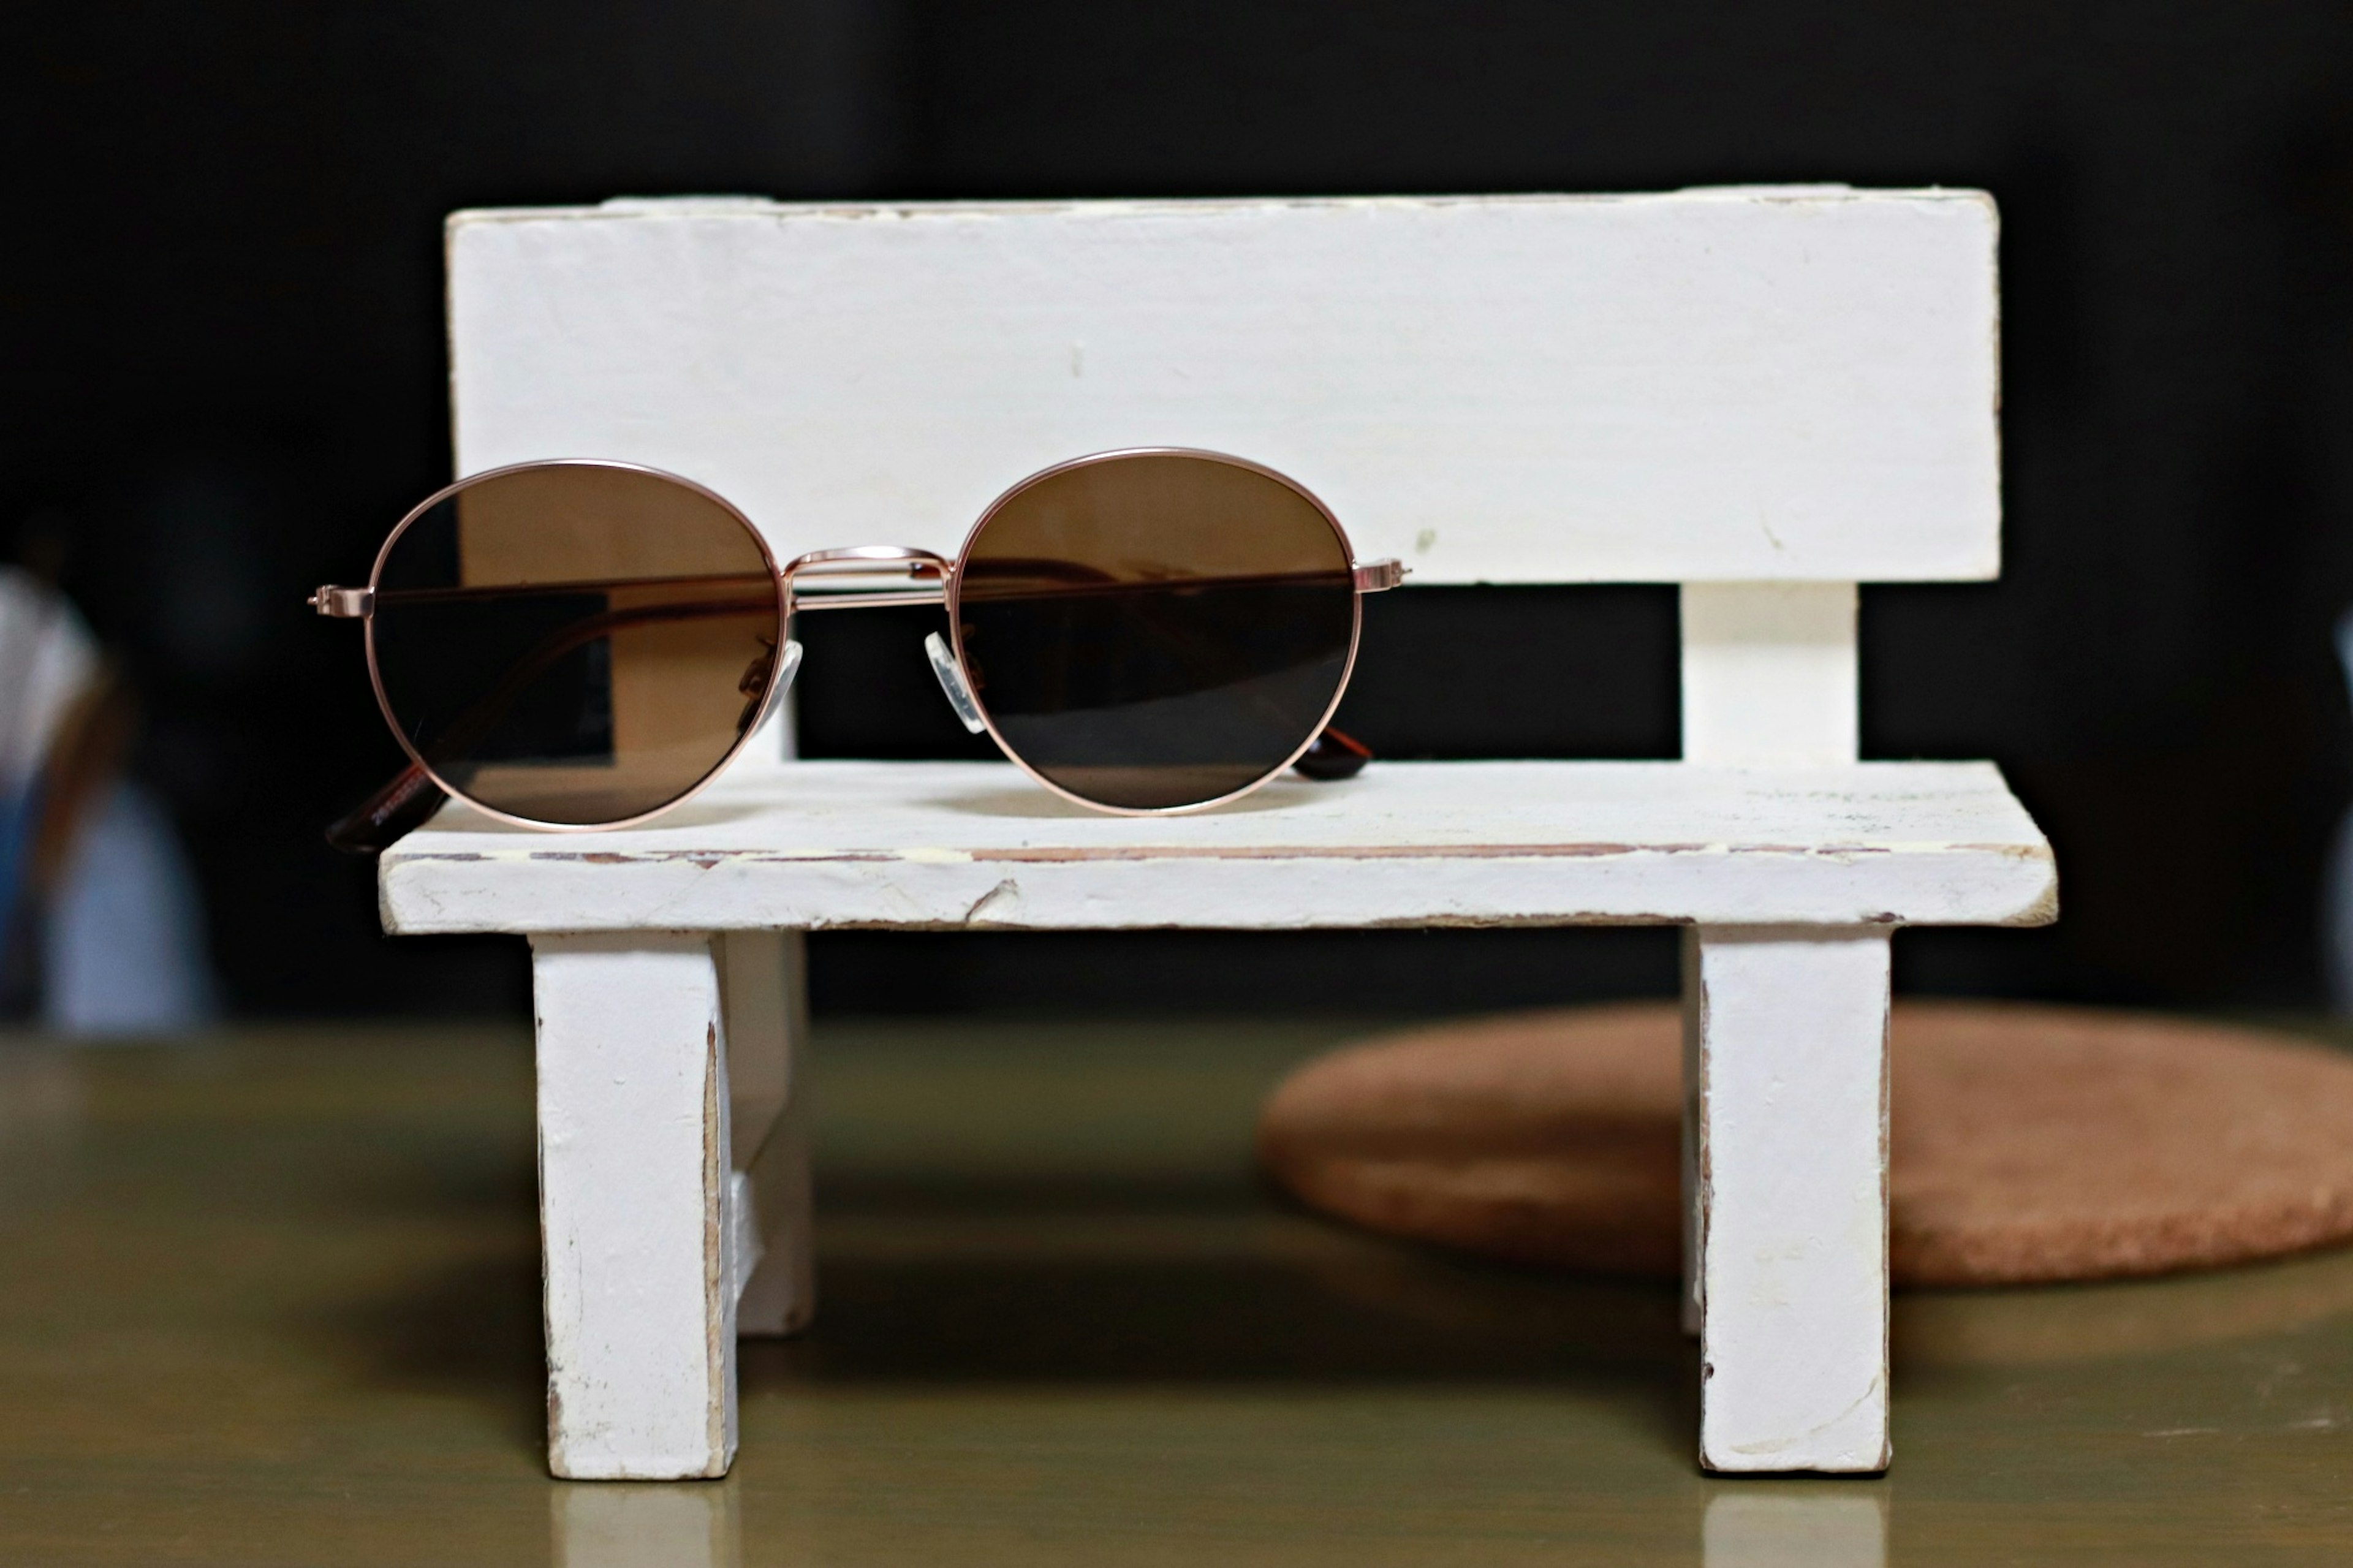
(1787, 1047)
(633, 1166)
(764, 979)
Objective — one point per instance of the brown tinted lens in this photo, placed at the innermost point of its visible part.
(1157, 630)
(574, 644)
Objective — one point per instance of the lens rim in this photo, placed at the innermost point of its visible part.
(1339, 689)
(383, 703)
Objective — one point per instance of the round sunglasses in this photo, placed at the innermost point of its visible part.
(575, 645)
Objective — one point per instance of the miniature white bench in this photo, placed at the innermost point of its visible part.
(1764, 395)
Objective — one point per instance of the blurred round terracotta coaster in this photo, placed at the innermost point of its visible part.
(2029, 1143)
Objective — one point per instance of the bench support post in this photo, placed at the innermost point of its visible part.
(762, 976)
(1770, 680)
(1786, 1044)
(634, 1163)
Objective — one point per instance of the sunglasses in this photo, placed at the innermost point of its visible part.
(575, 645)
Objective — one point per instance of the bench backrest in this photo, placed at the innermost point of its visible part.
(1731, 387)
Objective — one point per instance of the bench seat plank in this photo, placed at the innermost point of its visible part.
(931, 845)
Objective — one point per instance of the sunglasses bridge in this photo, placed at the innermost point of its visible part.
(856, 577)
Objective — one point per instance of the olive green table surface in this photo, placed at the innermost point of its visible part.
(274, 1299)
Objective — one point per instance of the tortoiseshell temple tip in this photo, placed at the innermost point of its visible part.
(1336, 755)
(376, 821)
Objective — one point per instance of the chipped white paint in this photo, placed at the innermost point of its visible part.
(949, 845)
(1694, 1304)
(1703, 385)
(633, 1159)
(1790, 1040)
(1765, 395)
(1768, 673)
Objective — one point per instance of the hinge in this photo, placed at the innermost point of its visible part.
(1374, 576)
(344, 603)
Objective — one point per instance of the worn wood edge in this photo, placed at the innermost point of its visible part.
(1298, 854)
(613, 1445)
(718, 1253)
(1692, 1303)
(639, 209)
(432, 894)
(1709, 795)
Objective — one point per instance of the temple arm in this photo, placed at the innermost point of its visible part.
(412, 796)
(373, 824)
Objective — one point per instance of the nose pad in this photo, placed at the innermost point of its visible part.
(959, 695)
(789, 664)
(759, 676)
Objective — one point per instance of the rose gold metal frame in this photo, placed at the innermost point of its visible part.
(1340, 690)
(870, 561)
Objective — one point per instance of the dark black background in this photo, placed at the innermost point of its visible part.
(221, 379)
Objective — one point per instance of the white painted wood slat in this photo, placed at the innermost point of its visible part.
(1723, 385)
(976, 845)
(1769, 674)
